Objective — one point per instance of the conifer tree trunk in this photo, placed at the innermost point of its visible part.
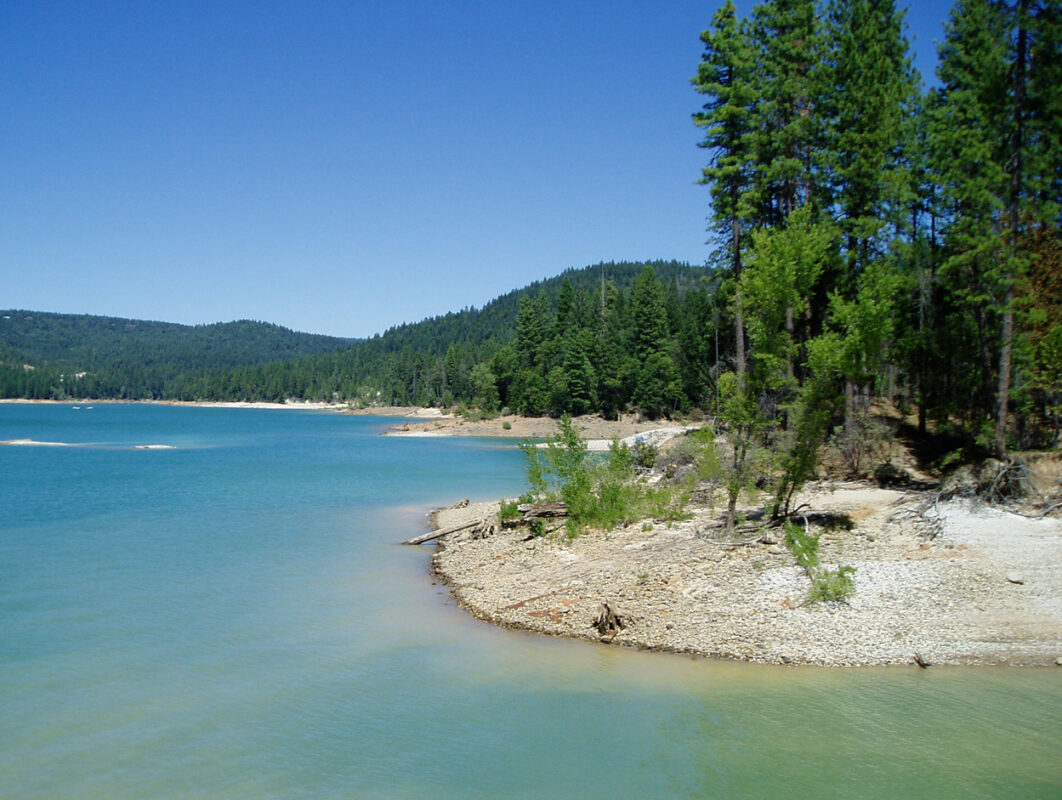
(1007, 338)
(739, 313)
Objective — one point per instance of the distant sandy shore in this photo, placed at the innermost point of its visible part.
(378, 411)
(198, 403)
(420, 421)
(592, 427)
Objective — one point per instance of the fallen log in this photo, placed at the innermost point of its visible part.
(427, 537)
(551, 509)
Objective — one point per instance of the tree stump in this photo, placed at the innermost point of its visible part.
(609, 622)
(484, 529)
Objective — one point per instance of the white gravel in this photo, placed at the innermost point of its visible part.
(682, 588)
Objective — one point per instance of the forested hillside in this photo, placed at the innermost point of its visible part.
(868, 239)
(445, 359)
(59, 355)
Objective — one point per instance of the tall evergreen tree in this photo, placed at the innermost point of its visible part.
(659, 388)
(993, 137)
(872, 93)
(725, 75)
(787, 126)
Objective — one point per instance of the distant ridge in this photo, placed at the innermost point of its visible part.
(60, 356)
(85, 341)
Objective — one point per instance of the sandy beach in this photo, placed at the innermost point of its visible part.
(345, 408)
(200, 403)
(591, 427)
(955, 584)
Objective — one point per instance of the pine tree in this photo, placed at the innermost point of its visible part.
(873, 91)
(659, 386)
(726, 74)
(649, 316)
(994, 137)
(531, 327)
(615, 365)
(565, 308)
(786, 124)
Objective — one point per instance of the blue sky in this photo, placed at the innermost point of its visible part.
(341, 167)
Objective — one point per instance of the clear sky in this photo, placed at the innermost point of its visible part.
(341, 167)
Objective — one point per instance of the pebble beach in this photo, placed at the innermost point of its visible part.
(956, 583)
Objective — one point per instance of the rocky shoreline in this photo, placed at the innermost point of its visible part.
(958, 584)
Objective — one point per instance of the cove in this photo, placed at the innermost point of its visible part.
(233, 617)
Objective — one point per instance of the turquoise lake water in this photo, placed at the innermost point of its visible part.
(233, 618)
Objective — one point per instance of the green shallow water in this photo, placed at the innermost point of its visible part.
(233, 618)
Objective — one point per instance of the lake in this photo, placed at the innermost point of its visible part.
(233, 617)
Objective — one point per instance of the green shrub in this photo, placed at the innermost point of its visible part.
(644, 454)
(829, 585)
(620, 460)
(509, 513)
(888, 474)
(598, 492)
(803, 546)
(666, 503)
(617, 503)
(507, 426)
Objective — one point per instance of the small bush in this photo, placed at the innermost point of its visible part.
(601, 493)
(829, 585)
(864, 440)
(644, 454)
(666, 503)
(509, 513)
(617, 504)
(537, 526)
(507, 426)
(888, 474)
(803, 546)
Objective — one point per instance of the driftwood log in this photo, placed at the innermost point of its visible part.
(427, 537)
(609, 622)
(534, 510)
